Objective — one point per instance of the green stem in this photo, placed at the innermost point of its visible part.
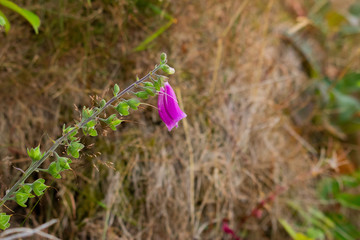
(34, 166)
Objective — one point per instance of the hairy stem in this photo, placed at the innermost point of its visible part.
(34, 166)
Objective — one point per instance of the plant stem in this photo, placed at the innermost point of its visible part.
(80, 125)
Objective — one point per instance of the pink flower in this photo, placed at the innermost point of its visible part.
(226, 229)
(169, 110)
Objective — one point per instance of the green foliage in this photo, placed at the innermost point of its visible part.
(89, 129)
(293, 234)
(163, 58)
(348, 200)
(32, 18)
(342, 106)
(145, 44)
(23, 194)
(133, 103)
(102, 103)
(112, 121)
(122, 108)
(74, 149)
(86, 113)
(4, 22)
(142, 95)
(150, 91)
(35, 153)
(116, 89)
(4, 221)
(39, 187)
(61, 164)
(72, 135)
(330, 225)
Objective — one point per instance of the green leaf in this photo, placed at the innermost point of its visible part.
(348, 200)
(63, 163)
(23, 194)
(86, 113)
(142, 94)
(293, 234)
(133, 103)
(350, 83)
(348, 105)
(72, 135)
(148, 84)
(355, 9)
(163, 58)
(344, 230)
(74, 148)
(102, 103)
(91, 123)
(39, 187)
(112, 121)
(157, 85)
(144, 44)
(54, 170)
(123, 108)
(150, 91)
(116, 89)
(4, 221)
(114, 124)
(2, 21)
(32, 18)
(35, 153)
(7, 23)
(92, 132)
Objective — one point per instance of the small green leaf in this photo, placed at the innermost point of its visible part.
(2, 21)
(102, 103)
(35, 153)
(148, 84)
(23, 194)
(123, 108)
(157, 85)
(142, 94)
(91, 123)
(7, 23)
(4, 221)
(133, 103)
(74, 148)
(39, 187)
(115, 123)
(86, 113)
(54, 170)
(150, 91)
(32, 18)
(116, 89)
(163, 58)
(92, 132)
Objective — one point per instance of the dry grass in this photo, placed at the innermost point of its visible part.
(236, 78)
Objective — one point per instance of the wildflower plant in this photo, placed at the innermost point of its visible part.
(169, 112)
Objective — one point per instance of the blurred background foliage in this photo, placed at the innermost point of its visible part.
(271, 91)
